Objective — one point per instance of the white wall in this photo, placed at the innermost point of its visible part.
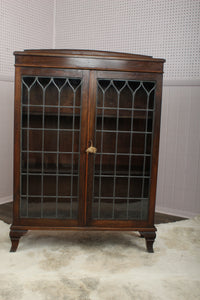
(6, 138)
(23, 24)
(161, 28)
(167, 29)
(178, 190)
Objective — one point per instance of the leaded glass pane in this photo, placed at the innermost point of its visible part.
(123, 137)
(50, 148)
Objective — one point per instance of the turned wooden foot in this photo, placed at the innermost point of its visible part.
(15, 235)
(149, 238)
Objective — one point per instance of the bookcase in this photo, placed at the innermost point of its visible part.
(86, 141)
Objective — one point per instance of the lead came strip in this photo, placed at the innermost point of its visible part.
(116, 146)
(57, 147)
(27, 145)
(130, 149)
(101, 153)
(72, 158)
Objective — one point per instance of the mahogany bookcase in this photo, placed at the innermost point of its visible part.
(86, 142)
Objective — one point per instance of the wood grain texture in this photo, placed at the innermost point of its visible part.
(95, 60)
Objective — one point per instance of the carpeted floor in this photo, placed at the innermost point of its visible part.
(102, 265)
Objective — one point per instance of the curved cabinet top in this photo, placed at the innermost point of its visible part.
(88, 59)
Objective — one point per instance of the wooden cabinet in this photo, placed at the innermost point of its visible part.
(86, 141)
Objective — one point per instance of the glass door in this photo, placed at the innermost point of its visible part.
(123, 137)
(50, 146)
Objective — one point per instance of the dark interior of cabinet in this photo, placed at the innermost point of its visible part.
(50, 148)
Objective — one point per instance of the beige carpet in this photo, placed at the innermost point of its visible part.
(102, 265)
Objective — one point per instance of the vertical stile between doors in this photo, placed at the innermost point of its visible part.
(90, 137)
(82, 214)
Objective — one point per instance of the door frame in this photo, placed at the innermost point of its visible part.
(49, 222)
(94, 76)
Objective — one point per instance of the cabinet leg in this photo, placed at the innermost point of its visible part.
(149, 238)
(14, 237)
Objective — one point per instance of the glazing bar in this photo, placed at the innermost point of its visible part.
(27, 147)
(72, 158)
(48, 152)
(51, 129)
(121, 176)
(123, 198)
(115, 156)
(79, 149)
(42, 170)
(57, 147)
(124, 154)
(47, 196)
(123, 131)
(49, 106)
(130, 151)
(123, 108)
(48, 174)
(27, 143)
(145, 149)
(100, 164)
(21, 137)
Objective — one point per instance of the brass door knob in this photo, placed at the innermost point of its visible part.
(91, 149)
